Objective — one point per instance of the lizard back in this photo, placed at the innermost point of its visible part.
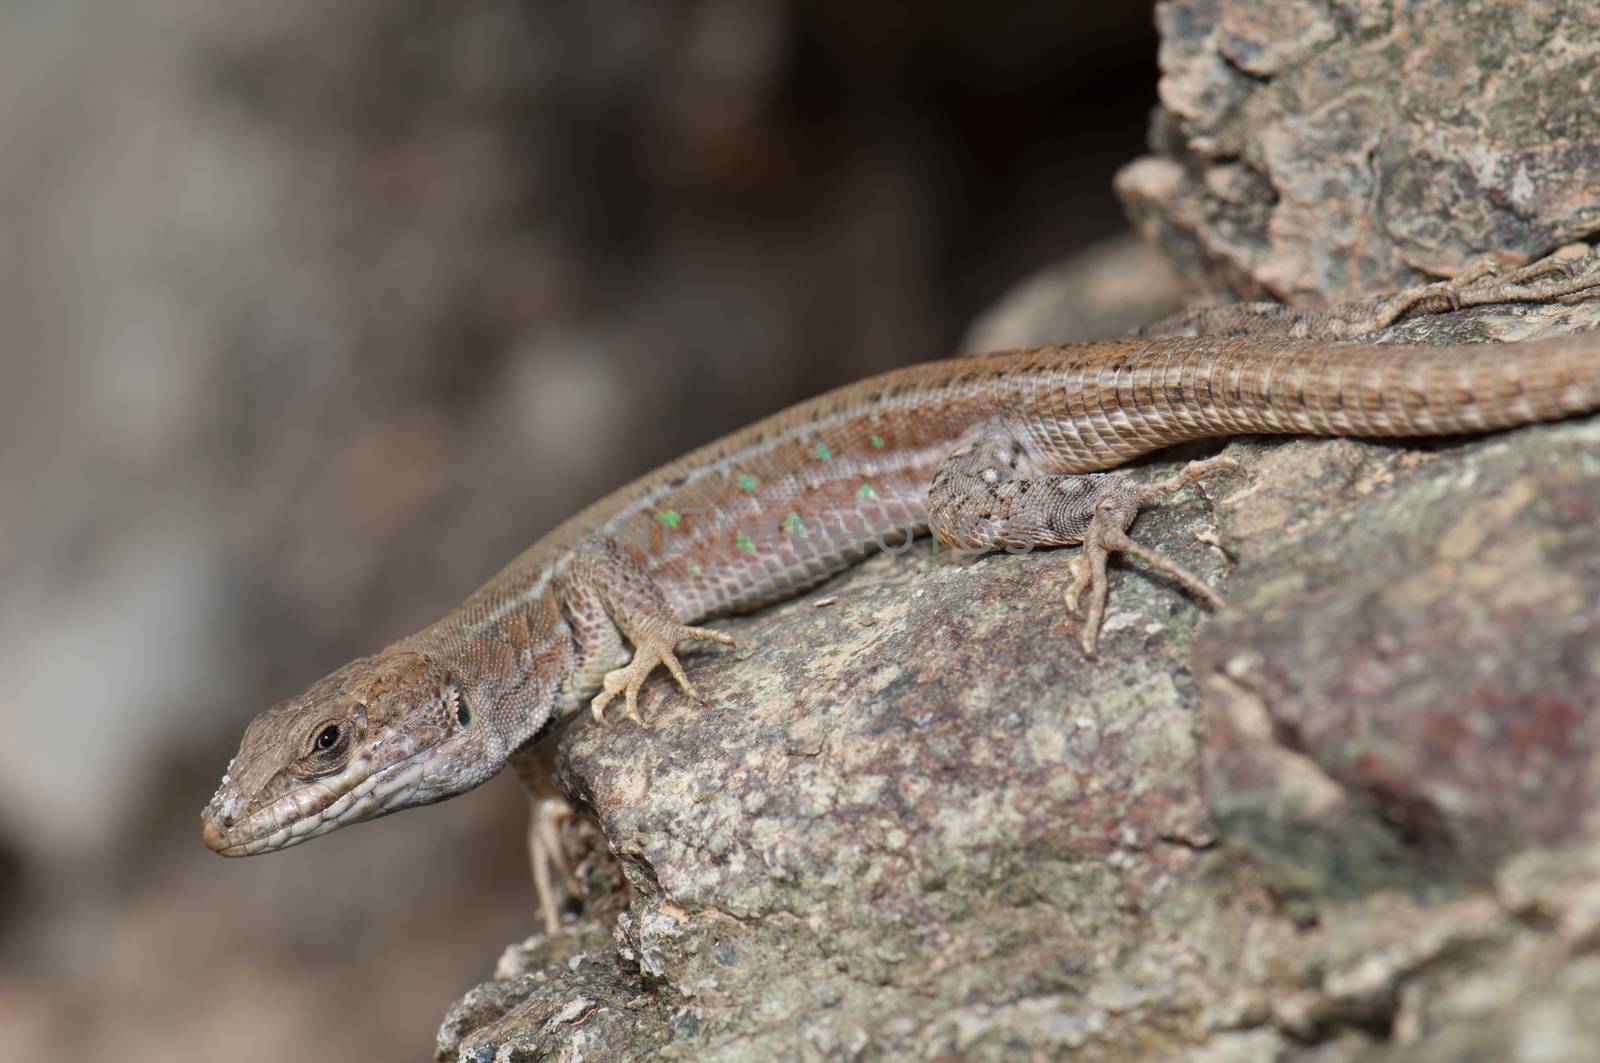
(797, 496)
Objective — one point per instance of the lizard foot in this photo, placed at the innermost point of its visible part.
(1107, 532)
(652, 647)
(1569, 272)
(547, 851)
(985, 497)
(1192, 473)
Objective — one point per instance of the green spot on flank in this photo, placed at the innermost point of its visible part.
(823, 452)
(745, 544)
(694, 568)
(671, 518)
(747, 484)
(795, 526)
(866, 494)
(876, 441)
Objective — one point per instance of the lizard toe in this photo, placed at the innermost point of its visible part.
(653, 651)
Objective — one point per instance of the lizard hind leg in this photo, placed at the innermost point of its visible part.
(1108, 531)
(1569, 271)
(985, 498)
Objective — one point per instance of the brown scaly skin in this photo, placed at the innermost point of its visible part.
(381, 733)
(990, 451)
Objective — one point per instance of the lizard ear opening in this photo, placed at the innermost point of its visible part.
(455, 695)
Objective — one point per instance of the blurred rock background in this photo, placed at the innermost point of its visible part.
(316, 313)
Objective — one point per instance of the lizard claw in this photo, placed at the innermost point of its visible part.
(1192, 473)
(650, 651)
(1078, 569)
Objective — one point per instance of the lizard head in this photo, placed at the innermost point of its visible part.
(380, 734)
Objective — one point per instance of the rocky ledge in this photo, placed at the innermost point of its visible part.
(1351, 816)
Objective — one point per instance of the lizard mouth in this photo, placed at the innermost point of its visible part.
(355, 794)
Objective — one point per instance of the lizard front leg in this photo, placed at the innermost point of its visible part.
(985, 497)
(548, 814)
(607, 591)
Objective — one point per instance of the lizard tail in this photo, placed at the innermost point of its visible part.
(1132, 399)
(1362, 390)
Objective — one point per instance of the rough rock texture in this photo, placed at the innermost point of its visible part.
(1350, 817)
(1319, 150)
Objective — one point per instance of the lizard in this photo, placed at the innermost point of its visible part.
(999, 451)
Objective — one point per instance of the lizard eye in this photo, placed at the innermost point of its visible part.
(328, 745)
(456, 696)
(328, 738)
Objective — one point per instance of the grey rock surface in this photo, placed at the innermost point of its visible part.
(1316, 152)
(1349, 817)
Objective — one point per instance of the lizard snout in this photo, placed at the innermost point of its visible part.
(216, 838)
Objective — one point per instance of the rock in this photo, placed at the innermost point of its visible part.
(1399, 693)
(919, 793)
(1316, 152)
(1343, 819)
(1349, 817)
(1105, 291)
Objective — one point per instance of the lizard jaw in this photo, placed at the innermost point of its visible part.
(355, 794)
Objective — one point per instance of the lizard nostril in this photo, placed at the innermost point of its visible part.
(227, 822)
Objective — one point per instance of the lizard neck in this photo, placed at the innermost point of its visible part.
(519, 669)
